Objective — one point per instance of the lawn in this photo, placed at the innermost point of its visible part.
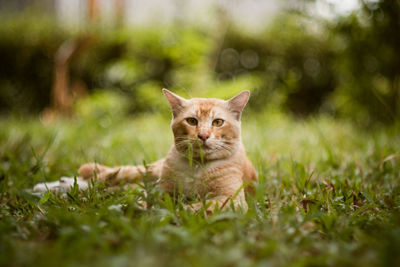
(329, 195)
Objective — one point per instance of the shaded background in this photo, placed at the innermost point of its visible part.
(339, 58)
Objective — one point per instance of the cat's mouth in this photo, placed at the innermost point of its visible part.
(196, 147)
(201, 144)
(203, 147)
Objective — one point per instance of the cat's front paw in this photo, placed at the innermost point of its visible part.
(90, 170)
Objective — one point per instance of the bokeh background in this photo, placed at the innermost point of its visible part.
(81, 80)
(339, 58)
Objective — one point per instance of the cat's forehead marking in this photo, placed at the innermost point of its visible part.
(204, 108)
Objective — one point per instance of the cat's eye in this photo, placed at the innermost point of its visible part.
(218, 122)
(191, 121)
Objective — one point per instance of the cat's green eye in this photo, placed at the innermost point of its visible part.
(191, 121)
(218, 122)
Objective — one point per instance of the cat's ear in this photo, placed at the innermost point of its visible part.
(176, 102)
(237, 103)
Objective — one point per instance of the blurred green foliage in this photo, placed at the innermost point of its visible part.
(369, 63)
(27, 52)
(295, 65)
(346, 67)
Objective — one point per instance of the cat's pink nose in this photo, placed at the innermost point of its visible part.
(203, 136)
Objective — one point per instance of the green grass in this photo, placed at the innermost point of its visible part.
(329, 195)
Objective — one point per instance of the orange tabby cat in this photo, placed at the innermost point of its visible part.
(207, 158)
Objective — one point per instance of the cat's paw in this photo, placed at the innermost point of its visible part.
(61, 186)
(87, 171)
(90, 170)
(197, 207)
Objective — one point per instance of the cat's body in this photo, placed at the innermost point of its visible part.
(207, 159)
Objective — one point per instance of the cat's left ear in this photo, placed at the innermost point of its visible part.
(176, 102)
(237, 103)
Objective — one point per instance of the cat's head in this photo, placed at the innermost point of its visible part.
(206, 128)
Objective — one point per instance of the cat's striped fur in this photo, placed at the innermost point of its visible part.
(207, 159)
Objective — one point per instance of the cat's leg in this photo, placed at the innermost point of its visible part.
(121, 173)
(228, 189)
(222, 202)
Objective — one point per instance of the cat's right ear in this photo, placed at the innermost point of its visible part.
(176, 102)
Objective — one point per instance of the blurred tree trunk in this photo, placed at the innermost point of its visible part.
(93, 10)
(63, 91)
